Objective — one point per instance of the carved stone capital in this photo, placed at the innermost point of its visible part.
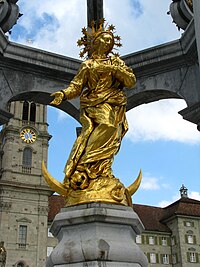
(192, 114)
(5, 206)
(43, 210)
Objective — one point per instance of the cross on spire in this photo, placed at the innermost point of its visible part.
(94, 10)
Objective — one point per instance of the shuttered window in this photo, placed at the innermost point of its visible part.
(151, 240)
(152, 258)
(165, 259)
(192, 257)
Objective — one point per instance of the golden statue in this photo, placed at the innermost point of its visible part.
(190, 4)
(99, 83)
(3, 255)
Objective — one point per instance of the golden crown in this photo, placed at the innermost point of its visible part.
(89, 36)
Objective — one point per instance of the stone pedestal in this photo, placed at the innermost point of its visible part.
(95, 235)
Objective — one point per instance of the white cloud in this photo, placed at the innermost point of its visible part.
(140, 23)
(152, 183)
(151, 27)
(61, 115)
(165, 203)
(60, 38)
(194, 195)
(161, 121)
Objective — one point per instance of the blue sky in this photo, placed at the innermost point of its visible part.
(159, 141)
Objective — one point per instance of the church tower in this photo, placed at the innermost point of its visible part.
(23, 191)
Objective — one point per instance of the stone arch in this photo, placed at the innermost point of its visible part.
(150, 88)
(134, 99)
(148, 96)
(71, 107)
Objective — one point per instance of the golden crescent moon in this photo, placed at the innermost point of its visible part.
(135, 185)
(63, 191)
(53, 183)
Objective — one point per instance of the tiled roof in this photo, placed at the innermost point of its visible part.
(183, 206)
(152, 217)
(55, 204)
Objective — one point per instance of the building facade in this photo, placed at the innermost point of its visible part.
(172, 234)
(23, 191)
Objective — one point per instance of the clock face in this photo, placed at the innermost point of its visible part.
(28, 135)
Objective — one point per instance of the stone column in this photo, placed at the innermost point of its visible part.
(95, 235)
(196, 8)
(192, 114)
(94, 10)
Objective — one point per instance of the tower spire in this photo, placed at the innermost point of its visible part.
(183, 191)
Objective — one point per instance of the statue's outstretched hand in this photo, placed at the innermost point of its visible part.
(58, 98)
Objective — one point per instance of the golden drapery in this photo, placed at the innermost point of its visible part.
(102, 116)
(99, 83)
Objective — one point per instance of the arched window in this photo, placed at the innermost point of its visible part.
(33, 112)
(27, 157)
(29, 111)
(25, 111)
(20, 264)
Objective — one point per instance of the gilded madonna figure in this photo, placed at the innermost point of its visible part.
(3, 255)
(99, 83)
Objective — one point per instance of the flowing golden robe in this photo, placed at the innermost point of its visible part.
(102, 115)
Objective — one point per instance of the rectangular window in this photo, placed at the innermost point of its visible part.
(152, 258)
(22, 236)
(139, 239)
(193, 257)
(188, 224)
(165, 259)
(164, 241)
(151, 240)
(49, 250)
(49, 233)
(190, 239)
